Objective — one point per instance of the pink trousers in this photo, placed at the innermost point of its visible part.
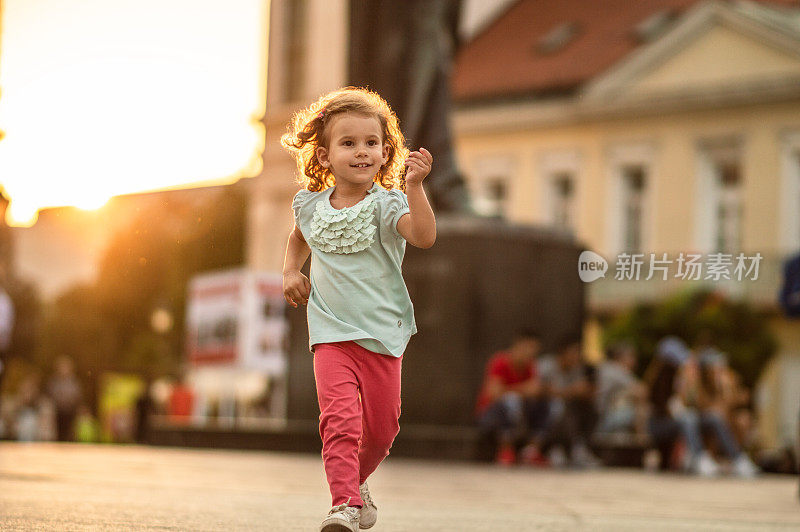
(359, 402)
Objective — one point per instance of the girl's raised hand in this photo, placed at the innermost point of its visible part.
(419, 165)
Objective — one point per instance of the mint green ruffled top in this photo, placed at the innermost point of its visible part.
(357, 287)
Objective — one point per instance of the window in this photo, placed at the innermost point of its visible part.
(720, 198)
(494, 196)
(633, 190)
(557, 38)
(794, 199)
(629, 208)
(729, 208)
(789, 226)
(560, 186)
(563, 194)
(490, 184)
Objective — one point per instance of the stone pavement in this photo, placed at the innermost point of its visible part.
(49, 486)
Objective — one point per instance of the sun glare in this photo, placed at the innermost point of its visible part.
(104, 98)
(89, 203)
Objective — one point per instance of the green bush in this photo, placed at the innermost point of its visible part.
(738, 330)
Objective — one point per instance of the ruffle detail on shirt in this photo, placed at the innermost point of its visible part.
(347, 230)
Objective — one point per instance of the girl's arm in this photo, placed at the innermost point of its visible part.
(296, 286)
(418, 226)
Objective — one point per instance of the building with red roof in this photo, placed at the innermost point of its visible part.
(651, 131)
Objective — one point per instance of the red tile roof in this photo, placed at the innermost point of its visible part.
(504, 60)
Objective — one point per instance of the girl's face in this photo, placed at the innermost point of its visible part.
(355, 151)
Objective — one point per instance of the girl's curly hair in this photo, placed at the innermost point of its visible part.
(309, 129)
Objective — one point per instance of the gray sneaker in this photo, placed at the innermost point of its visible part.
(369, 512)
(342, 518)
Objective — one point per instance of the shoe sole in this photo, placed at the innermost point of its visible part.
(336, 527)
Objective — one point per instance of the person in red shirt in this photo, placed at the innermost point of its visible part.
(511, 406)
(181, 402)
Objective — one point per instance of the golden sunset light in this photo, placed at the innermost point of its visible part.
(101, 98)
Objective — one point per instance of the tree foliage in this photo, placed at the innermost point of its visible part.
(106, 326)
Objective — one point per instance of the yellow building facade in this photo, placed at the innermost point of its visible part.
(691, 144)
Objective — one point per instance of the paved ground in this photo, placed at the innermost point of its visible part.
(48, 486)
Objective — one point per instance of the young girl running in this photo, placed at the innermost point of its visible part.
(354, 219)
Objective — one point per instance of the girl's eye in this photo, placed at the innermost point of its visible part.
(372, 142)
(348, 143)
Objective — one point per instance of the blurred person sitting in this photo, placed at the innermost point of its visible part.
(701, 407)
(717, 400)
(143, 410)
(621, 397)
(729, 397)
(87, 429)
(181, 402)
(510, 406)
(740, 412)
(27, 418)
(568, 383)
(65, 391)
(47, 419)
(659, 379)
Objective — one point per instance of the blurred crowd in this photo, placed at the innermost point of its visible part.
(58, 408)
(688, 411)
(48, 409)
